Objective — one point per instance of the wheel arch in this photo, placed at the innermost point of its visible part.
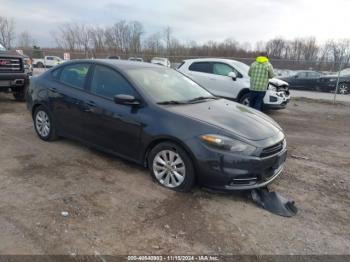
(169, 139)
(36, 105)
(242, 93)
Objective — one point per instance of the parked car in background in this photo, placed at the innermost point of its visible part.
(113, 57)
(161, 61)
(283, 73)
(136, 59)
(14, 73)
(328, 83)
(143, 112)
(304, 80)
(229, 79)
(47, 61)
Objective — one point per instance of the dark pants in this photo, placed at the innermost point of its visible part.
(256, 99)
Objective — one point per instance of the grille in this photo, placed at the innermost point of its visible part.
(271, 150)
(10, 65)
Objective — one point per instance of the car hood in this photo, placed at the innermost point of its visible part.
(232, 117)
(278, 82)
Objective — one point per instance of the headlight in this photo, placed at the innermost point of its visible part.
(228, 144)
(272, 88)
(333, 79)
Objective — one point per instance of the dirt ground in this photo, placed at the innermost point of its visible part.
(114, 206)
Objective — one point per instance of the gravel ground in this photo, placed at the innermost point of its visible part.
(114, 207)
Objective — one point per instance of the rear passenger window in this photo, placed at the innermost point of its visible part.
(203, 67)
(108, 83)
(75, 75)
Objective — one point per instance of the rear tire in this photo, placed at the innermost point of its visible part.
(40, 65)
(44, 124)
(171, 167)
(245, 99)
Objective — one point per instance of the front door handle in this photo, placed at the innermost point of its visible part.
(53, 89)
(89, 106)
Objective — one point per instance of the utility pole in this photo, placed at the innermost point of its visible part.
(336, 89)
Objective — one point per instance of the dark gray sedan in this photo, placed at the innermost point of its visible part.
(161, 119)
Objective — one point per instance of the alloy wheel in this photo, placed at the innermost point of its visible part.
(343, 89)
(169, 168)
(42, 123)
(245, 101)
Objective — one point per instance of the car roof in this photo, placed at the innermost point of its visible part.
(301, 71)
(224, 60)
(123, 64)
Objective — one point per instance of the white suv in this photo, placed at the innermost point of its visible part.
(229, 79)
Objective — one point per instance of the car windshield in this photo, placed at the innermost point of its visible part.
(167, 85)
(2, 48)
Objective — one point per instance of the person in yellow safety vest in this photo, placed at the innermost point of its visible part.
(260, 72)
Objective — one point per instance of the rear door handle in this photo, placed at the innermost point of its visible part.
(89, 106)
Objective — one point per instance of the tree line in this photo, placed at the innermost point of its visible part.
(129, 38)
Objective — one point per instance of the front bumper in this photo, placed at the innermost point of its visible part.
(13, 82)
(276, 99)
(229, 171)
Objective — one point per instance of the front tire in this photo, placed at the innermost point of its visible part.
(40, 65)
(20, 96)
(171, 167)
(44, 125)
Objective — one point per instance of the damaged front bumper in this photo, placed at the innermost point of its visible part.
(276, 99)
(226, 171)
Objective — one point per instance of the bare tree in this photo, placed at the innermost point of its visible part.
(82, 37)
(168, 38)
(276, 47)
(97, 38)
(154, 43)
(7, 31)
(136, 31)
(66, 37)
(25, 40)
(118, 37)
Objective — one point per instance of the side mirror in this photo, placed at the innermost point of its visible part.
(233, 75)
(296, 76)
(126, 100)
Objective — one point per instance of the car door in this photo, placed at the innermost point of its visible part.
(66, 95)
(223, 85)
(298, 80)
(49, 61)
(109, 125)
(201, 72)
(313, 80)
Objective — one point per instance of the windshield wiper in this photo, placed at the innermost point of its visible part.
(201, 98)
(170, 102)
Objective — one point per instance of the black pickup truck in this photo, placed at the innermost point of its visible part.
(14, 75)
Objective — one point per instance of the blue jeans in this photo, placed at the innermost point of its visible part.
(256, 99)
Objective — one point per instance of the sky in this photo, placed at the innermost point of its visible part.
(199, 20)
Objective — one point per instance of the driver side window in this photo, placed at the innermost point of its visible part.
(108, 83)
(222, 69)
